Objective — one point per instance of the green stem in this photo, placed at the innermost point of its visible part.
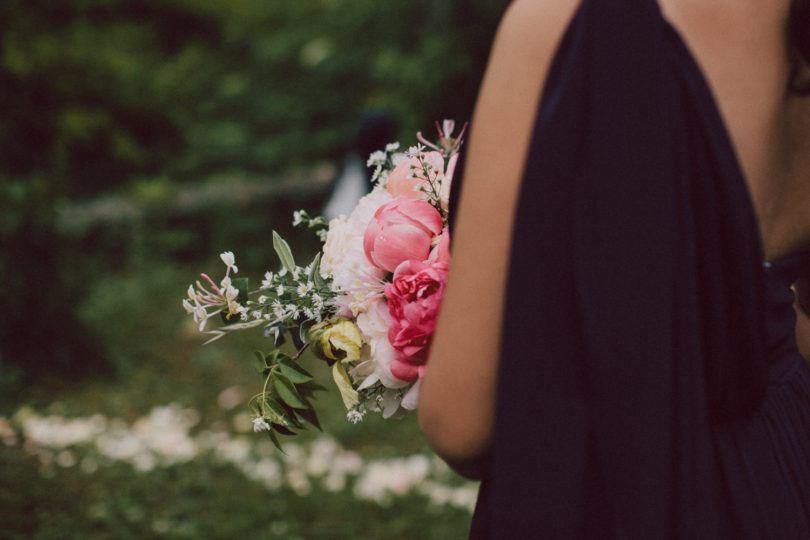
(301, 351)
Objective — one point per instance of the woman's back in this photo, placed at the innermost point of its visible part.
(743, 51)
(631, 294)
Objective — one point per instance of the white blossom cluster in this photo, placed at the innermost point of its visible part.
(384, 162)
(163, 438)
(289, 297)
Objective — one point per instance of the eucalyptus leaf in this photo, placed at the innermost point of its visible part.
(284, 252)
(349, 394)
(287, 392)
(293, 371)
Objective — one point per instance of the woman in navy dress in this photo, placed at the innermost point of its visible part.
(616, 354)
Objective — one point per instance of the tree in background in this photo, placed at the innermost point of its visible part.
(102, 94)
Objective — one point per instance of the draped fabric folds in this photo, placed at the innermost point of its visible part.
(634, 328)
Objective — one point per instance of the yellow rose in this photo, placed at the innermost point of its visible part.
(342, 341)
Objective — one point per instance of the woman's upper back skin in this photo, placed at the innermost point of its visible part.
(741, 46)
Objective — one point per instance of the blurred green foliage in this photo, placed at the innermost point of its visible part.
(100, 91)
(132, 101)
(139, 139)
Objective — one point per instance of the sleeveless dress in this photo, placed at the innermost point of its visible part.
(649, 384)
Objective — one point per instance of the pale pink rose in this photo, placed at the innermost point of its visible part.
(401, 230)
(414, 297)
(408, 176)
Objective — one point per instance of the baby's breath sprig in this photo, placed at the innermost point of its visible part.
(383, 162)
(288, 304)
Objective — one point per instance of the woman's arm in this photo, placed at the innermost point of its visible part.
(457, 399)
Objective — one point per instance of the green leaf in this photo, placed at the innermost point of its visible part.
(308, 389)
(274, 408)
(258, 362)
(282, 429)
(314, 272)
(283, 251)
(287, 392)
(241, 285)
(274, 438)
(310, 416)
(272, 357)
(349, 394)
(293, 371)
(303, 332)
(291, 415)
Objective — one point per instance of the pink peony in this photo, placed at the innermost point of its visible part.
(408, 176)
(414, 297)
(401, 230)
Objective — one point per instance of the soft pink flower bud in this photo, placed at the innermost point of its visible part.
(441, 253)
(444, 193)
(401, 230)
(408, 176)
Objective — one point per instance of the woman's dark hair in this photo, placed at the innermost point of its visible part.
(799, 28)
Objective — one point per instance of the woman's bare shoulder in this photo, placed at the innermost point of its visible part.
(457, 396)
(532, 27)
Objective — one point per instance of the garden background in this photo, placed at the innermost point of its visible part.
(139, 139)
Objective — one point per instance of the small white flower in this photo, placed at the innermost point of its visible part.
(260, 424)
(392, 147)
(354, 416)
(225, 283)
(278, 309)
(229, 260)
(231, 293)
(376, 158)
(262, 299)
(322, 234)
(416, 151)
(308, 313)
(280, 290)
(304, 289)
(291, 310)
(267, 282)
(298, 218)
(317, 301)
(256, 314)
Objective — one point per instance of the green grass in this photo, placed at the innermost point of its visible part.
(74, 491)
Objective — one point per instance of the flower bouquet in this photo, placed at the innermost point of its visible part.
(367, 304)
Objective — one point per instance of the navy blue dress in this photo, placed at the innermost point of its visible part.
(649, 382)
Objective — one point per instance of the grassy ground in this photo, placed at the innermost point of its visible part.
(161, 446)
